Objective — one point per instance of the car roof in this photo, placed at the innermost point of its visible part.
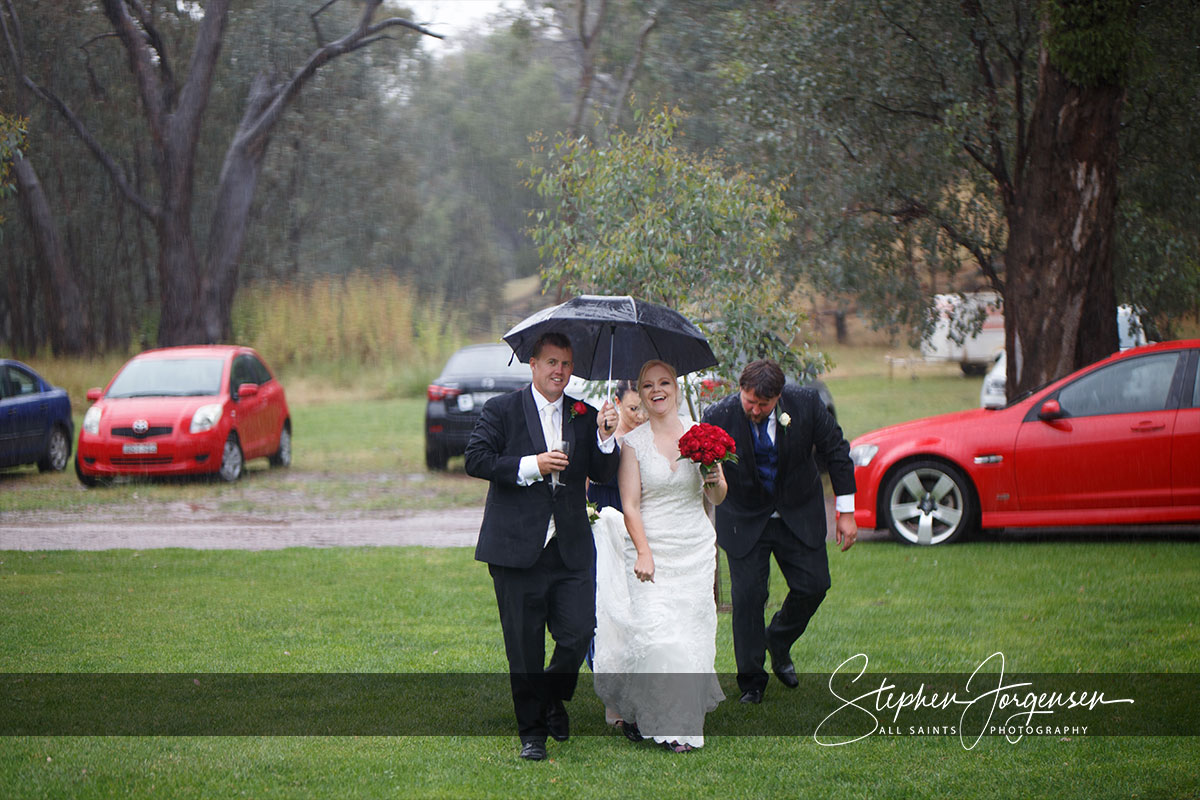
(193, 351)
(1175, 344)
(487, 346)
(5, 362)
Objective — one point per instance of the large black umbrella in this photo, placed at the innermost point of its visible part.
(613, 335)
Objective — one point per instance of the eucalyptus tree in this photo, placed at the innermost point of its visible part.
(196, 288)
(928, 139)
(642, 216)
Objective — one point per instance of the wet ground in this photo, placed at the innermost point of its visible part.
(196, 526)
(181, 526)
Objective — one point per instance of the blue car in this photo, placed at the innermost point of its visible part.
(35, 419)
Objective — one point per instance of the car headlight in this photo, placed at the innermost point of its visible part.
(862, 454)
(206, 417)
(91, 420)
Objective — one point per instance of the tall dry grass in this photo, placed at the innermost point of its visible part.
(333, 338)
(360, 332)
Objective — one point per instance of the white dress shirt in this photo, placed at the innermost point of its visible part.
(528, 472)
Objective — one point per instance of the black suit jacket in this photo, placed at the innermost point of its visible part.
(798, 495)
(515, 517)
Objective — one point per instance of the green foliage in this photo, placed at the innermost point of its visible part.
(12, 139)
(872, 113)
(641, 216)
(1090, 41)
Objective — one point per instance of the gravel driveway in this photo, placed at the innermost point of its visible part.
(186, 525)
(456, 527)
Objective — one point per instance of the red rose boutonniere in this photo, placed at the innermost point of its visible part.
(577, 408)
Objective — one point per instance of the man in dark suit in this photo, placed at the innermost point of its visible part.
(536, 538)
(776, 506)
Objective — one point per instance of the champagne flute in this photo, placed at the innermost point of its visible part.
(563, 447)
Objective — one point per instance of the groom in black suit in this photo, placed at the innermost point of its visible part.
(776, 506)
(536, 538)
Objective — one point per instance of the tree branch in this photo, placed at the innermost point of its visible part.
(1017, 59)
(587, 67)
(912, 209)
(316, 26)
(998, 168)
(141, 63)
(146, 20)
(255, 131)
(909, 112)
(114, 170)
(912, 37)
(995, 171)
(846, 147)
(635, 63)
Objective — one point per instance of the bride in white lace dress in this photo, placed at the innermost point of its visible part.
(656, 619)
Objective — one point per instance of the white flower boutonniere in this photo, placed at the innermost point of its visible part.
(785, 419)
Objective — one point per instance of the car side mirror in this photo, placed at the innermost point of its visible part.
(94, 393)
(1050, 410)
(247, 390)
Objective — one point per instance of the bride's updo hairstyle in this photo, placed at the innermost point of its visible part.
(654, 362)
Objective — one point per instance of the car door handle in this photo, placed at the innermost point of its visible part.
(1147, 427)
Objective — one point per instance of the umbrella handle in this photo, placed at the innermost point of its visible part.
(612, 333)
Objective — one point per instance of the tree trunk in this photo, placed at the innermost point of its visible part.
(178, 262)
(235, 195)
(1060, 304)
(70, 326)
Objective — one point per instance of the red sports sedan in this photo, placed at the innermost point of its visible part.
(1116, 443)
(185, 410)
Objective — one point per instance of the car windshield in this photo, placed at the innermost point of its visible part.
(486, 361)
(163, 377)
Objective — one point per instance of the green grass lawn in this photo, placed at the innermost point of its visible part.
(1091, 606)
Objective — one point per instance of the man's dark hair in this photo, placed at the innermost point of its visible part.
(763, 377)
(553, 338)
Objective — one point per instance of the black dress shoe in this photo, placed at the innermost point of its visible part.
(781, 665)
(557, 721)
(533, 751)
(751, 696)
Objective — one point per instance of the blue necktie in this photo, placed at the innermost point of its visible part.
(765, 456)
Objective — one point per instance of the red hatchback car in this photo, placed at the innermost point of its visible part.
(1115, 443)
(183, 411)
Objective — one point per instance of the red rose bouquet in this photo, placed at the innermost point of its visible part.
(706, 445)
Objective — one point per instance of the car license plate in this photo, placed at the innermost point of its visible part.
(141, 449)
(469, 402)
